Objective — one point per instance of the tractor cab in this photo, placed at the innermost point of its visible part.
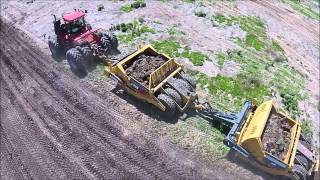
(73, 23)
(72, 29)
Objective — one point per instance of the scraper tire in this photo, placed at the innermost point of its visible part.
(300, 172)
(189, 79)
(302, 160)
(174, 94)
(168, 102)
(182, 86)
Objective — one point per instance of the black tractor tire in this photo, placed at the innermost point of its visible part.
(105, 42)
(86, 52)
(174, 94)
(168, 102)
(74, 59)
(302, 160)
(189, 79)
(54, 46)
(112, 38)
(300, 172)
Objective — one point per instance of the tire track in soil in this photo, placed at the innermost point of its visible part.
(54, 115)
(28, 142)
(45, 82)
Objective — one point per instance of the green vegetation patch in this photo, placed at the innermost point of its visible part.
(134, 5)
(264, 67)
(256, 36)
(306, 129)
(233, 91)
(198, 135)
(303, 9)
(200, 14)
(174, 49)
(131, 31)
(289, 83)
(176, 32)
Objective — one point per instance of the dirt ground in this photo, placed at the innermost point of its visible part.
(276, 137)
(55, 125)
(143, 66)
(53, 128)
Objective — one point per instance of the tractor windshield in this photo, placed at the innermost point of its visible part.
(77, 25)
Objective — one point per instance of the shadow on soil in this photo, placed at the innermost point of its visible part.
(236, 158)
(90, 64)
(144, 107)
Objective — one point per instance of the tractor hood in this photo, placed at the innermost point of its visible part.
(88, 36)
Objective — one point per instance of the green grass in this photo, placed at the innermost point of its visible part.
(253, 40)
(189, 1)
(174, 49)
(290, 84)
(303, 9)
(200, 14)
(197, 58)
(276, 46)
(198, 135)
(306, 129)
(267, 73)
(134, 5)
(168, 47)
(254, 27)
(126, 8)
(233, 91)
(176, 32)
(131, 31)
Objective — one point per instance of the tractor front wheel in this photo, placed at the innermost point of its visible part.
(168, 102)
(74, 59)
(54, 46)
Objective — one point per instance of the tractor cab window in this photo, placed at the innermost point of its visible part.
(77, 25)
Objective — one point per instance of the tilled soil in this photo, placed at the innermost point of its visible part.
(53, 129)
(276, 137)
(143, 66)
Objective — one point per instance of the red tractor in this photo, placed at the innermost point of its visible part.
(75, 37)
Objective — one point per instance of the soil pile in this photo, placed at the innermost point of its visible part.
(276, 137)
(143, 66)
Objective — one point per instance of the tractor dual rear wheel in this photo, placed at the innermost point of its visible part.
(112, 38)
(86, 52)
(105, 42)
(74, 59)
